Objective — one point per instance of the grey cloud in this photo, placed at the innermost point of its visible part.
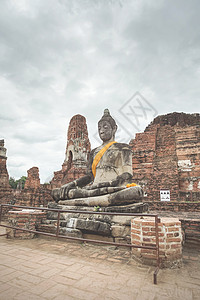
(60, 58)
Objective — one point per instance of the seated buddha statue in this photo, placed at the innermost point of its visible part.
(109, 177)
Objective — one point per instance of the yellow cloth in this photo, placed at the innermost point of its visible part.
(131, 184)
(99, 156)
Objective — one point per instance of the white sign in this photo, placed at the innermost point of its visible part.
(164, 195)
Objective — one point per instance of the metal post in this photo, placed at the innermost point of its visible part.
(1, 212)
(157, 220)
(58, 224)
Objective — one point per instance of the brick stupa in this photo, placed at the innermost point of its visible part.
(76, 154)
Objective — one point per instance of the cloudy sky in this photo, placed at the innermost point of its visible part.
(58, 58)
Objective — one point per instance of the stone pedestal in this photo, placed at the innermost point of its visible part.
(26, 219)
(170, 241)
(113, 228)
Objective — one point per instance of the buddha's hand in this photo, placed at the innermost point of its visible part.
(64, 190)
(55, 193)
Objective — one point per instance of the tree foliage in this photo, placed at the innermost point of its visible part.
(19, 183)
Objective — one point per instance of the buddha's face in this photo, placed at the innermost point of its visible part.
(106, 132)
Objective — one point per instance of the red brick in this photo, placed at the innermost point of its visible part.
(173, 240)
(144, 228)
(170, 235)
(148, 234)
(134, 236)
(174, 246)
(137, 243)
(146, 239)
(135, 231)
(171, 229)
(148, 223)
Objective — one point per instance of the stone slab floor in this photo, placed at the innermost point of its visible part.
(46, 268)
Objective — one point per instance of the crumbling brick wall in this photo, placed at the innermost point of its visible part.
(5, 189)
(34, 194)
(167, 156)
(4, 177)
(188, 153)
(33, 179)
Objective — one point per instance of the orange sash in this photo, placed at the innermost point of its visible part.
(99, 156)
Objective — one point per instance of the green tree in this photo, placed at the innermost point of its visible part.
(12, 183)
(16, 183)
(21, 181)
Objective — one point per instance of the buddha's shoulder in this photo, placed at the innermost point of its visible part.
(115, 146)
(121, 146)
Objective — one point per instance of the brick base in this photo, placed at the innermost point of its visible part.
(174, 206)
(170, 241)
(26, 219)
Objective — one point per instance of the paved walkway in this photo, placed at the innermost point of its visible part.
(44, 268)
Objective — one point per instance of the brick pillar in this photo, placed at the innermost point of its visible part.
(26, 219)
(170, 240)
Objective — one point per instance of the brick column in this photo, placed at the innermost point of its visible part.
(26, 219)
(170, 241)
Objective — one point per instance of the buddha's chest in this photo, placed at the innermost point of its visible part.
(111, 158)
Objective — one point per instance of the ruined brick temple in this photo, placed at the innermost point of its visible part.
(166, 156)
(76, 154)
(5, 188)
(33, 194)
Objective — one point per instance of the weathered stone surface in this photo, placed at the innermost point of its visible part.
(87, 223)
(98, 237)
(70, 232)
(97, 217)
(54, 205)
(115, 227)
(80, 208)
(54, 215)
(93, 226)
(125, 196)
(122, 220)
(139, 207)
(120, 231)
(125, 240)
(129, 195)
(116, 161)
(87, 193)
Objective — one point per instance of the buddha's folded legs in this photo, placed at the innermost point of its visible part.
(125, 196)
(85, 193)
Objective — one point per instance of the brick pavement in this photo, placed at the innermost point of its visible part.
(44, 268)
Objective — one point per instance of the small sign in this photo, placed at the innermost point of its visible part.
(164, 195)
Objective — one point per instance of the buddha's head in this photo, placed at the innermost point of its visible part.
(107, 127)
